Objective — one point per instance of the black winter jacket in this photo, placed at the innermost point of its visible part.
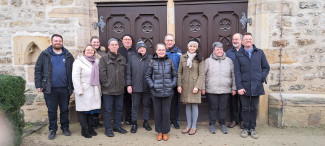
(250, 74)
(136, 70)
(112, 74)
(161, 76)
(43, 71)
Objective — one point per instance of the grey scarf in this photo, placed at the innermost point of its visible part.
(190, 58)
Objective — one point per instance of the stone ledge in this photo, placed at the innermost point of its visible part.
(300, 110)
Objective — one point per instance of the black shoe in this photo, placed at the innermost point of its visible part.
(146, 125)
(109, 133)
(92, 132)
(119, 130)
(52, 135)
(176, 126)
(66, 131)
(134, 128)
(85, 133)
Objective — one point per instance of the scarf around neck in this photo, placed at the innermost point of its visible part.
(94, 76)
(190, 58)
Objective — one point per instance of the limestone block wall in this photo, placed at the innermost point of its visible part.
(303, 45)
(25, 30)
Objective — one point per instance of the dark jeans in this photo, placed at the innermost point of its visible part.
(136, 98)
(108, 102)
(58, 97)
(127, 106)
(174, 107)
(217, 105)
(235, 108)
(249, 110)
(161, 108)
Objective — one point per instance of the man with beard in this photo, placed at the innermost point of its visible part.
(125, 51)
(235, 106)
(53, 77)
(174, 54)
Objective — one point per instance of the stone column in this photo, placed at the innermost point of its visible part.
(171, 17)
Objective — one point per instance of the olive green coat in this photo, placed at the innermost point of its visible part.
(188, 78)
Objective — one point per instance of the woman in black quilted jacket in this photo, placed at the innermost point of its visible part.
(161, 77)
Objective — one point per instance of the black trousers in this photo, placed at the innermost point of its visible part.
(110, 102)
(174, 107)
(217, 106)
(235, 108)
(249, 110)
(59, 96)
(161, 108)
(146, 100)
(127, 106)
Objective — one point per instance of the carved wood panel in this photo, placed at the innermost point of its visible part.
(142, 20)
(218, 21)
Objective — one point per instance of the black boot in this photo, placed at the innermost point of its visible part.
(90, 125)
(83, 122)
(146, 125)
(134, 127)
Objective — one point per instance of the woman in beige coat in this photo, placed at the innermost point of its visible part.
(85, 78)
(190, 80)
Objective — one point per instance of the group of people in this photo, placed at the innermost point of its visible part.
(117, 77)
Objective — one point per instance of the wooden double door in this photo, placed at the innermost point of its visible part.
(207, 21)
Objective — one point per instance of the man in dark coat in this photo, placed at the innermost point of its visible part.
(112, 69)
(126, 50)
(53, 77)
(251, 70)
(137, 85)
(174, 54)
(235, 106)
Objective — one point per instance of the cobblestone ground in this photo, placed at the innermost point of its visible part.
(268, 136)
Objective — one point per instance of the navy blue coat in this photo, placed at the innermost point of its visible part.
(231, 53)
(250, 74)
(161, 77)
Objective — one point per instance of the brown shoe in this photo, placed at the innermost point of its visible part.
(165, 137)
(159, 136)
(186, 130)
(192, 131)
(241, 125)
(232, 124)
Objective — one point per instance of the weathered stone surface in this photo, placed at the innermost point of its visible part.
(40, 14)
(321, 58)
(60, 21)
(20, 24)
(16, 3)
(274, 87)
(304, 68)
(318, 88)
(66, 2)
(302, 23)
(37, 2)
(278, 43)
(309, 5)
(30, 98)
(68, 12)
(309, 59)
(319, 50)
(305, 42)
(5, 16)
(301, 110)
(273, 57)
(296, 87)
(5, 60)
(309, 76)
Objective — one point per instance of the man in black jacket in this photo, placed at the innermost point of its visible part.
(251, 69)
(126, 50)
(53, 77)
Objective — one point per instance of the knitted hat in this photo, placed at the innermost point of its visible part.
(141, 44)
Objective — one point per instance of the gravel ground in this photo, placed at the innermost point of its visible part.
(268, 136)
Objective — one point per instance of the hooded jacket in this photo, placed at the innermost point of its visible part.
(43, 70)
(251, 73)
(175, 55)
(161, 76)
(219, 75)
(112, 69)
(136, 70)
